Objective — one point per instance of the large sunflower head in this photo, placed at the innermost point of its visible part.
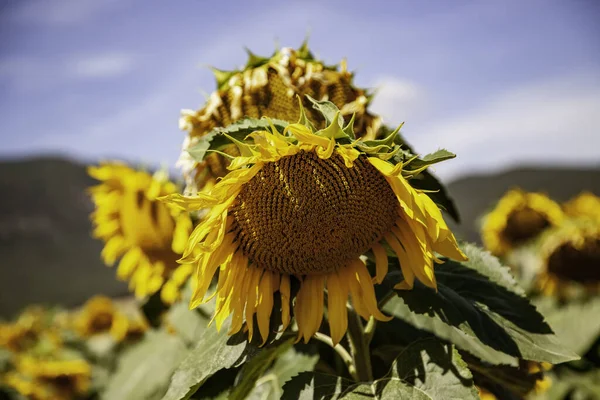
(147, 235)
(268, 86)
(570, 257)
(299, 208)
(585, 205)
(517, 218)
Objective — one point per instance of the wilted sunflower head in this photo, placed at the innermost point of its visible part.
(146, 234)
(50, 379)
(269, 86)
(571, 257)
(517, 218)
(302, 206)
(585, 205)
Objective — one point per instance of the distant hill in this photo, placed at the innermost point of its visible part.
(46, 252)
(48, 256)
(475, 194)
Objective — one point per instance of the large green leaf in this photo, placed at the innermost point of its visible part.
(436, 369)
(576, 323)
(479, 307)
(213, 352)
(255, 368)
(288, 365)
(217, 139)
(188, 324)
(144, 370)
(317, 386)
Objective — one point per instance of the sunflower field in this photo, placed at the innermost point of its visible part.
(304, 253)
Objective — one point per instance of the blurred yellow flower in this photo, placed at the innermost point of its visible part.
(24, 332)
(586, 205)
(146, 234)
(517, 218)
(269, 87)
(50, 379)
(299, 209)
(570, 255)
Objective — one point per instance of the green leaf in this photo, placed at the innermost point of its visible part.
(479, 307)
(214, 351)
(216, 139)
(255, 368)
(576, 323)
(288, 365)
(328, 109)
(144, 370)
(313, 386)
(434, 158)
(436, 369)
(189, 324)
(510, 380)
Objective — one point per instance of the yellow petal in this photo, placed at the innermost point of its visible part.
(265, 304)
(337, 296)
(381, 262)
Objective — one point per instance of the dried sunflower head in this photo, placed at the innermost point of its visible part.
(269, 86)
(301, 206)
(517, 218)
(146, 234)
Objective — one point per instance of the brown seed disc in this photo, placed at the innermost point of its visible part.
(577, 264)
(524, 224)
(305, 215)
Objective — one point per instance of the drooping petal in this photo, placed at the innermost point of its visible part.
(381, 262)
(337, 297)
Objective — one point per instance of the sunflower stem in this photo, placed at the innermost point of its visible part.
(342, 352)
(359, 348)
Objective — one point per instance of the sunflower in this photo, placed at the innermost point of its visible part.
(570, 256)
(148, 235)
(269, 86)
(24, 332)
(585, 205)
(517, 218)
(300, 208)
(50, 379)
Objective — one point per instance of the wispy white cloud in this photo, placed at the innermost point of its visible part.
(398, 99)
(60, 12)
(102, 65)
(553, 121)
(34, 74)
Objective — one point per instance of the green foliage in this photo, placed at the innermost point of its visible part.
(144, 370)
(480, 309)
(426, 369)
(218, 138)
(285, 367)
(576, 322)
(436, 369)
(213, 352)
(189, 324)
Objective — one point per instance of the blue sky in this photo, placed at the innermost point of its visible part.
(498, 82)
